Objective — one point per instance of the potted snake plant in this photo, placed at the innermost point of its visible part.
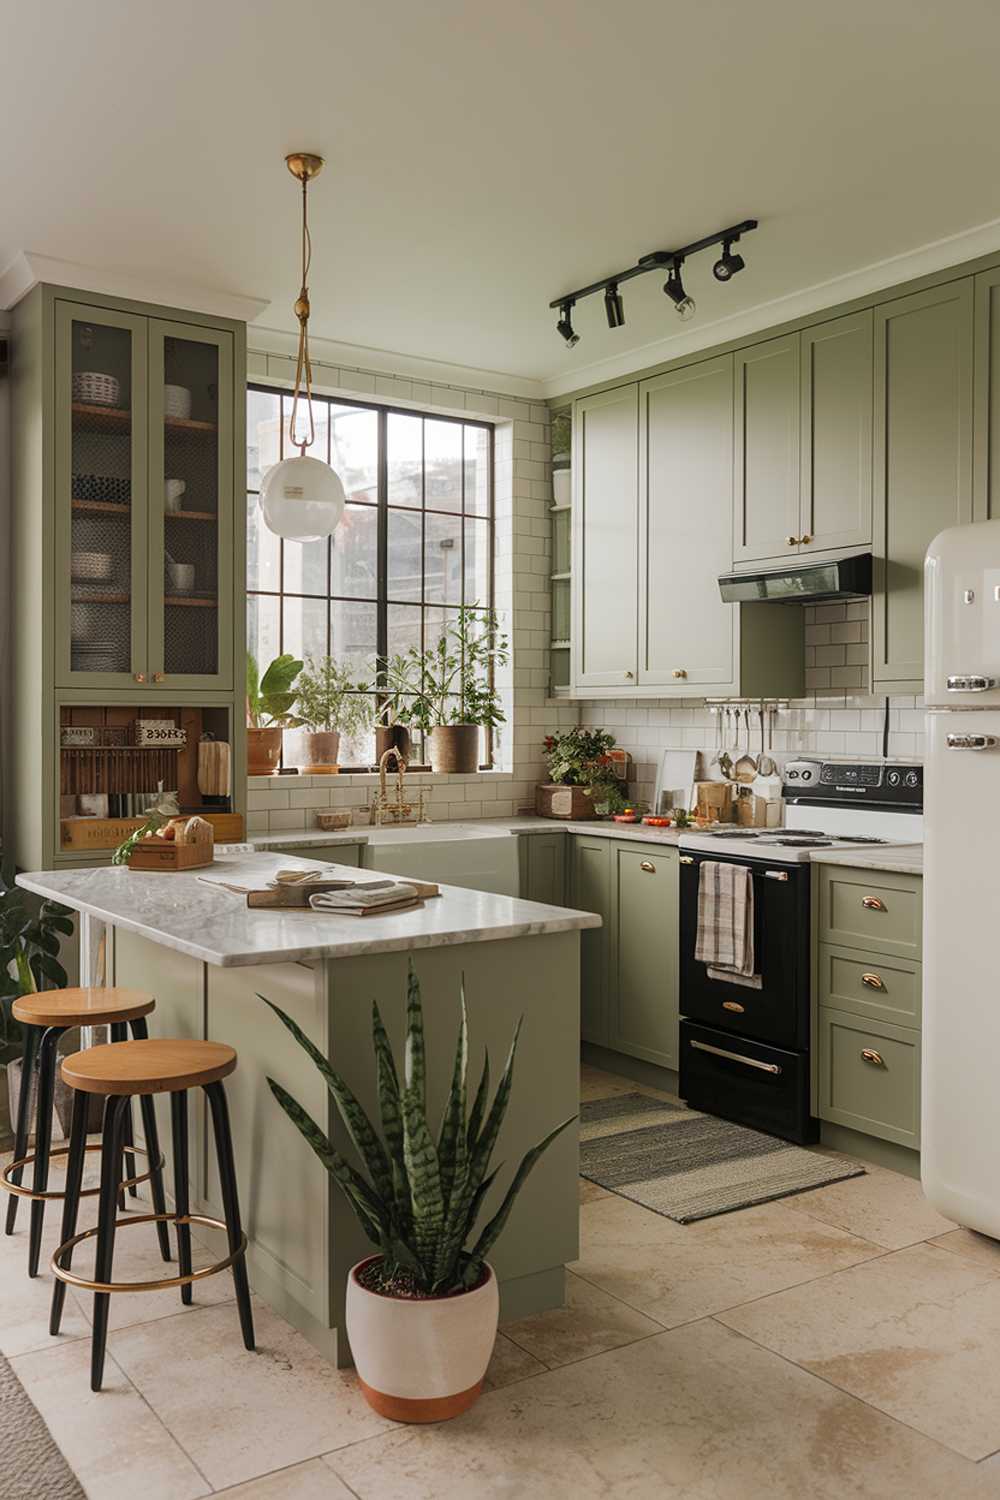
(422, 1310)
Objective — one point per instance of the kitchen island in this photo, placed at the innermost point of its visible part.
(207, 959)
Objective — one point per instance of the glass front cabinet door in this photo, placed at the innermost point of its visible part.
(144, 423)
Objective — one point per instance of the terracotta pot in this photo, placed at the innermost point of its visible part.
(263, 751)
(421, 1360)
(322, 746)
(555, 801)
(455, 748)
(393, 737)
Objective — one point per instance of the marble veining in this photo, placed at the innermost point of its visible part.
(200, 917)
(904, 859)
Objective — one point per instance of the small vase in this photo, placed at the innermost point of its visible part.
(322, 746)
(263, 751)
(421, 1359)
(454, 748)
(393, 737)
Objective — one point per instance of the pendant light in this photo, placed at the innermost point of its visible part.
(302, 499)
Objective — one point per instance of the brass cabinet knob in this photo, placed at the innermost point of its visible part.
(791, 541)
(157, 676)
(648, 866)
(139, 676)
(873, 903)
(805, 540)
(873, 981)
(629, 675)
(869, 1055)
(679, 672)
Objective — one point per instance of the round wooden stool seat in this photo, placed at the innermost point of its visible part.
(92, 1006)
(156, 1066)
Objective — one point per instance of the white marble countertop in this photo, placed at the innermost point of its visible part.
(902, 859)
(185, 911)
(475, 828)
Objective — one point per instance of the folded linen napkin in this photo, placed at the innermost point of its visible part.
(364, 897)
(725, 917)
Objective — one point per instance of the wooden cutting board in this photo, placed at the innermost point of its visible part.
(214, 762)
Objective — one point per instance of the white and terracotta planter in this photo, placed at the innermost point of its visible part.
(421, 1360)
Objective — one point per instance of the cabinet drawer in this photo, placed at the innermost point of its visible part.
(875, 910)
(869, 1077)
(869, 984)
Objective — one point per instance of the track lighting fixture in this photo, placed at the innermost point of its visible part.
(684, 306)
(671, 261)
(565, 324)
(728, 264)
(614, 307)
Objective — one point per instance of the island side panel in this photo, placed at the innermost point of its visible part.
(537, 977)
(285, 1193)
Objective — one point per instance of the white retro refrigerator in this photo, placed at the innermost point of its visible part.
(960, 1124)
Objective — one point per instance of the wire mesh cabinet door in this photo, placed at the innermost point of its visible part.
(191, 475)
(100, 477)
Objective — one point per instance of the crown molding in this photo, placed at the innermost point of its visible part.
(937, 255)
(261, 340)
(28, 269)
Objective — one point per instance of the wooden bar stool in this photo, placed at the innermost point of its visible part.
(46, 1016)
(118, 1071)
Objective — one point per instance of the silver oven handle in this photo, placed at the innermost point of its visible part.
(970, 741)
(970, 684)
(751, 1062)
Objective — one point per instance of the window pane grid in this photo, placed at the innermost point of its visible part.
(439, 469)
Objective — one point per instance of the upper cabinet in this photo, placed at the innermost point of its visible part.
(605, 523)
(804, 442)
(145, 416)
(766, 497)
(923, 461)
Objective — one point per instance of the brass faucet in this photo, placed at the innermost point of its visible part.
(384, 809)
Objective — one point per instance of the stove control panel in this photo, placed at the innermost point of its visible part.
(847, 781)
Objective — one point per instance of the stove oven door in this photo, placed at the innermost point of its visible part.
(777, 1012)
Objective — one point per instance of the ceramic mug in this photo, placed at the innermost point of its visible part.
(180, 576)
(173, 493)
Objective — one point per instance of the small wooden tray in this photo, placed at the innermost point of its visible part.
(159, 854)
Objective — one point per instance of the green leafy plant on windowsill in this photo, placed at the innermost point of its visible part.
(453, 682)
(327, 698)
(270, 698)
(420, 1194)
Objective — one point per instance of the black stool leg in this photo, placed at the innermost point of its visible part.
(71, 1202)
(32, 1036)
(119, 1033)
(231, 1204)
(179, 1123)
(47, 1059)
(111, 1173)
(140, 1031)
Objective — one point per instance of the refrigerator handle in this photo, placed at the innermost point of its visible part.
(970, 684)
(971, 741)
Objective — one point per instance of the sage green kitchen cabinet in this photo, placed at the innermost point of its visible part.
(688, 636)
(869, 1077)
(643, 1008)
(835, 490)
(605, 538)
(923, 462)
(767, 433)
(543, 867)
(591, 890)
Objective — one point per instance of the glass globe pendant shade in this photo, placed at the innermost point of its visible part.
(302, 499)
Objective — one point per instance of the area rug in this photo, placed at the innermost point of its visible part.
(31, 1466)
(689, 1166)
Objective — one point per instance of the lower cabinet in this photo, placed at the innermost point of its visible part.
(542, 859)
(629, 966)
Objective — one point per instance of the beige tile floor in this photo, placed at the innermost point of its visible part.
(843, 1343)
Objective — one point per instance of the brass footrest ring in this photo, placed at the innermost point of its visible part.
(20, 1191)
(166, 1282)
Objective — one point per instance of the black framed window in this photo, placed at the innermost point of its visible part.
(415, 544)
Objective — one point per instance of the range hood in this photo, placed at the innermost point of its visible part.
(802, 583)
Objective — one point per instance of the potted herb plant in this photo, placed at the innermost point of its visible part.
(29, 960)
(449, 691)
(422, 1311)
(578, 762)
(269, 704)
(328, 704)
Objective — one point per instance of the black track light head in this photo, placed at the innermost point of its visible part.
(684, 306)
(565, 325)
(614, 307)
(728, 264)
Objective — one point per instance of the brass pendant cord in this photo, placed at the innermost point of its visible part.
(303, 367)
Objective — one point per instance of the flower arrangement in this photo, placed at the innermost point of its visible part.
(579, 757)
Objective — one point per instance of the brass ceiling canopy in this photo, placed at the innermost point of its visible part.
(304, 165)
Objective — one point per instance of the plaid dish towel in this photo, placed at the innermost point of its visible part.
(725, 917)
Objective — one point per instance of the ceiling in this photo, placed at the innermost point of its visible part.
(483, 158)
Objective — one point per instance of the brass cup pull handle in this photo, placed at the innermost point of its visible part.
(873, 903)
(648, 866)
(139, 676)
(873, 981)
(869, 1055)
